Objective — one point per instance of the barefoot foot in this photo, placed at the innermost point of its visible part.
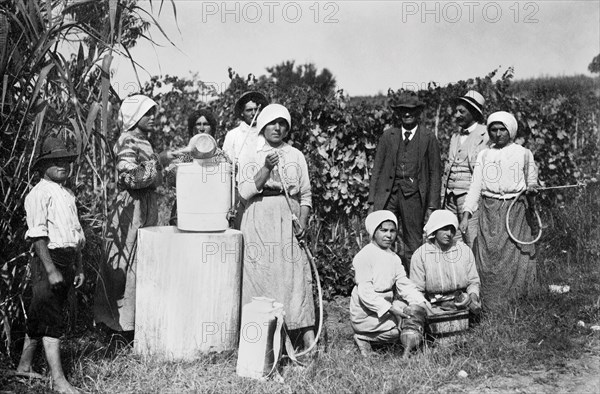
(61, 385)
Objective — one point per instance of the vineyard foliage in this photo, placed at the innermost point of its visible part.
(44, 91)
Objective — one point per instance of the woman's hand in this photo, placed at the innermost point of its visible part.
(165, 157)
(532, 190)
(271, 160)
(463, 227)
(475, 304)
(300, 232)
(398, 313)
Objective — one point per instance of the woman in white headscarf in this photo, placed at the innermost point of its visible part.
(382, 290)
(507, 269)
(274, 264)
(139, 174)
(443, 268)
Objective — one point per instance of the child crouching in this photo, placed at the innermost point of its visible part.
(57, 238)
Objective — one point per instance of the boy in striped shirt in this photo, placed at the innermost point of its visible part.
(57, 238)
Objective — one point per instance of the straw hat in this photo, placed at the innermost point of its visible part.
(257, 97)
(474, 100)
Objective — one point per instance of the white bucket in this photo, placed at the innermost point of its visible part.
(260, 337)
(203, 195)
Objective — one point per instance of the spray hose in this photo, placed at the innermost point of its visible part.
(297, 227)
(537, 215)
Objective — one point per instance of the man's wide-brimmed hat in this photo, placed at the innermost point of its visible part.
(259, 98)
(474, 100)
(405, 100)
(53, 148)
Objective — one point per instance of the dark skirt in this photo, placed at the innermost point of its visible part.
(507, 269)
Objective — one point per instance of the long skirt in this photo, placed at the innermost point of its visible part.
(114, 301)
(507, 269)
(275, 266)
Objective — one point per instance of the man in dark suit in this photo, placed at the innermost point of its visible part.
(406, 176)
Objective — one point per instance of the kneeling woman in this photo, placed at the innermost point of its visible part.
(383, 291)
(274, 182)
(443, 266)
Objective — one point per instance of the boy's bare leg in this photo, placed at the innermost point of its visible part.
(52, 350)
(29, 348)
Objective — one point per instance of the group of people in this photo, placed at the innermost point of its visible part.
(454, 239)
(273, 199)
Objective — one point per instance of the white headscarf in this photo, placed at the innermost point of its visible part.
(132, 110)
(374, 219)
(270, 113)
(439, 219)
(508, 120)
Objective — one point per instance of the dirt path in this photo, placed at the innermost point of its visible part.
(581, 376)
(575, 376)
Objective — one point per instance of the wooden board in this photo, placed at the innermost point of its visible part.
(188, 288)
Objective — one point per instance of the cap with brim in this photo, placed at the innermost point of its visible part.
(257, 97)
(375, 218)
(406, 101)
(440, 219)
(53, 149)
(271, 113)
(474, 100)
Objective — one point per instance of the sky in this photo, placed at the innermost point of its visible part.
(369, 46)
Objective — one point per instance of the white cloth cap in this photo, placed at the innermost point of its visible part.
(132, 110)
(507, 119)
(440, 219)
(374, 219)
(270, 113)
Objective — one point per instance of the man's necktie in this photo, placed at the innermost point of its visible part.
(406, 135)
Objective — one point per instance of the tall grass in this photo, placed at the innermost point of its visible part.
(45, 92)
(530, 335)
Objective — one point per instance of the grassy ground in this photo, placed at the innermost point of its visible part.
(532, 336)
(535, 345)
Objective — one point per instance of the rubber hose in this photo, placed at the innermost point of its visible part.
(510, 234)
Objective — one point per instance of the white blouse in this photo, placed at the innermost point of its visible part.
(501, 173)
(292, 168)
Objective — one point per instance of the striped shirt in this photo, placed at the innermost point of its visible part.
(137, 164)
(436, 271)
(52, 213)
